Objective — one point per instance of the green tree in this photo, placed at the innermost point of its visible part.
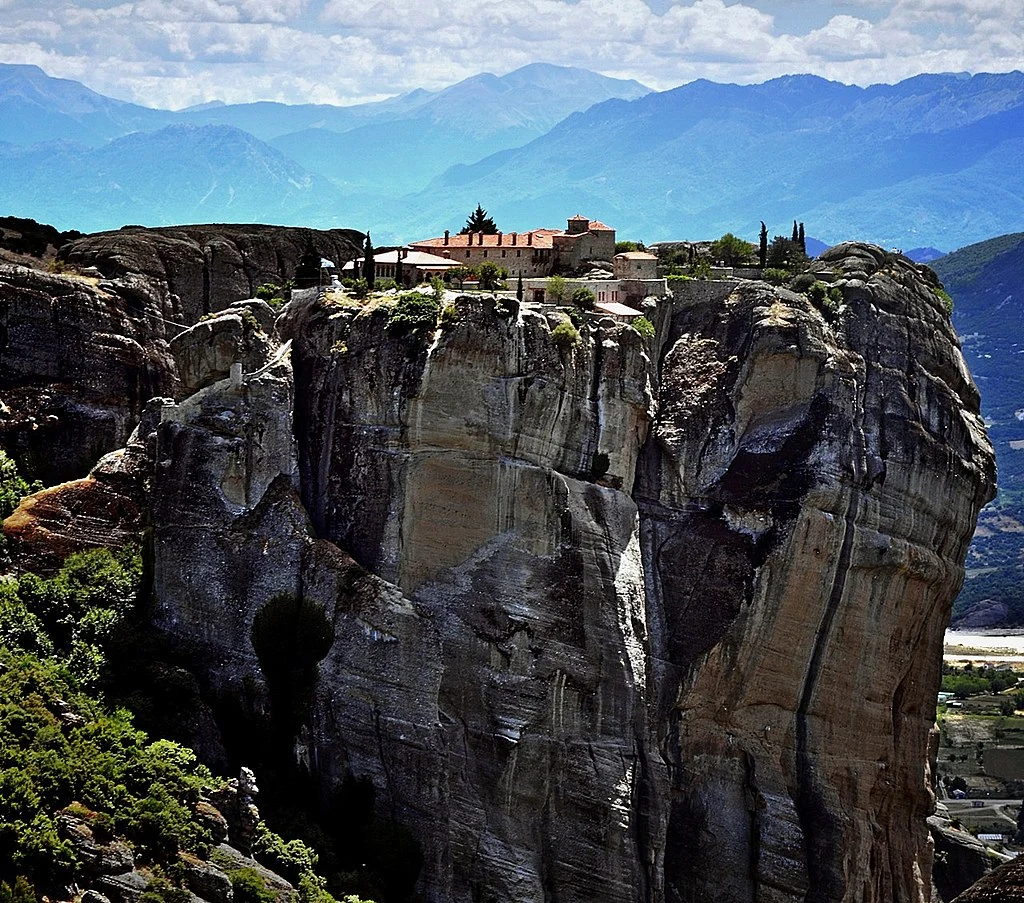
(801, 239)
(460, 275)
(13, 488)
(762, 251)
(556, 289)
(584, 298)
(732, 251)
(479, 221)
(491, 276)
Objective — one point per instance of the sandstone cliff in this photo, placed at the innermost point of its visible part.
(620, 620)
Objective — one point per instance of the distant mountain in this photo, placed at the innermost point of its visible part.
(924, 255)
(890, 163)
(986, 282)
(35, 107)
(178, 174)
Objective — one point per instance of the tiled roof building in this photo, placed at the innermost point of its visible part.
(539, 252)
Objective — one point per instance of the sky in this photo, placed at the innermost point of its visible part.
(175, 53)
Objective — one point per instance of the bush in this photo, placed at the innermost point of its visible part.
(249, 887)
(413, 313)
(565, 336)
(643, 326)
(13, 488)
(947, 301)
(800, 284)
(775, 276)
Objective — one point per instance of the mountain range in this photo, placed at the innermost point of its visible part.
(986, 282)
(932, 161)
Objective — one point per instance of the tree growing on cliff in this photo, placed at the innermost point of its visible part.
(479, 221)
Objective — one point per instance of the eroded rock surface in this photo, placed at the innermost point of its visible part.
(619, 620)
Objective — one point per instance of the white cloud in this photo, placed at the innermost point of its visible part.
(177, 52)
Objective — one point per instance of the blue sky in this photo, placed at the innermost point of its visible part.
(174, 53)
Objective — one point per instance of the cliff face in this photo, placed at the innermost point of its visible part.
(618, 621)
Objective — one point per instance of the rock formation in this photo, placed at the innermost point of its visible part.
(619, 620)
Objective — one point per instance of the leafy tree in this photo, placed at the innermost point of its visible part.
(556, 289)
(785, 253)
(13, 488)
(762, 251)
(643, 326)
(369, 267)
(565, 336)
(623, 247)
(584, 298)
(732, 251)
(479, 221)
(460, 275)
(491, 276)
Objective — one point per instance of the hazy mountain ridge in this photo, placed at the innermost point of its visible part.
(986, 281)
(901, 164)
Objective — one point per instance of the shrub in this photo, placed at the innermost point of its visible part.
(643, 326)
(565, 336)
(802, 283)
(413, 313)
(947, 301)
(775, 276)
(249, 887)
(13, 487)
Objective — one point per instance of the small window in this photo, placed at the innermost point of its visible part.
(467, 253)
(485, 253)
(502, 253)
(518, 253)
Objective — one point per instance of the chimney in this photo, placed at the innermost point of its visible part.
(480, 240)
(499, 239)
(446, 236)
(529, 238)
(513, 239)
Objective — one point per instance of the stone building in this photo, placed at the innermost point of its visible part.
(417, 266)
(539, 252)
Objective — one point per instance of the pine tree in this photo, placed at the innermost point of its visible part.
(479, 221)
(369, 267)
(762, 252)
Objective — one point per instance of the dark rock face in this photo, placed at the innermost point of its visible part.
(206, 268)
(705, 671)
(79, 359)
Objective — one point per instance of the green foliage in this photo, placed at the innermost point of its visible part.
(13, 487)
(437, 284)
(449, 316)
(675, 280)
(359, 288)
(802, 282)
(565, 336)
(491, 276)
(58, 746)
(644, 326)
(786, 254)
(460, 275)
(700, 268)
(275, 295)
(732, 251)
(161, 890)
(479, 221)
(556, 290)
(20, 891)
(249, 887)
(584, 298)
(413, 313)
(775, 276)
(625, 247)
(947, 301)
(972, 681)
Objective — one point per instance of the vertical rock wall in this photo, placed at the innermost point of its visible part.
(617, 621)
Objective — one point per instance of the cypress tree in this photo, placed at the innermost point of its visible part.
(369, 267)
(519, 287)
(762, 251)
(398, 268)
(802, 240)
(796, 233)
